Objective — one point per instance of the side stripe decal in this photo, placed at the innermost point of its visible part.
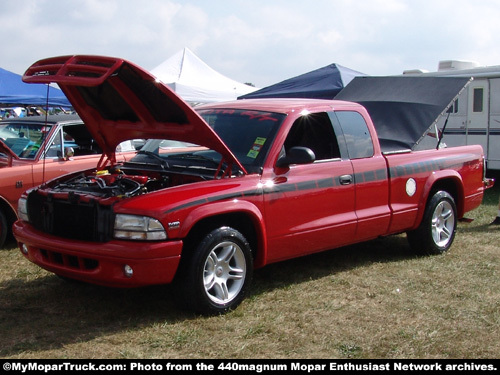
(364, 177)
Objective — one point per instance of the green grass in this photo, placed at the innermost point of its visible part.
(372, 300)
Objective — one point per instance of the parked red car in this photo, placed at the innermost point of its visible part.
(34, 150)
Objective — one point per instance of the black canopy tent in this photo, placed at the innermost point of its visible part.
(322, 83)
(402, 108)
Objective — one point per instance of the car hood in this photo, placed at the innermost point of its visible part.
(119, 101)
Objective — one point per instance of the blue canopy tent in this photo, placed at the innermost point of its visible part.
(322, 83)
(13, 91)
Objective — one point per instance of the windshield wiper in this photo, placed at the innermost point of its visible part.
(196, 157)
(219, 165)
(164, 163)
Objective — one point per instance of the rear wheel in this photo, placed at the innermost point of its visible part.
(437, 230)
(216, 274)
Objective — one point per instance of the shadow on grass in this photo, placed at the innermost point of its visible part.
(486, 229)
(48, 313)
(316, 266)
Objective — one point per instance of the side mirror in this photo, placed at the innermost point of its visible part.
(296, 155)
(69, 152)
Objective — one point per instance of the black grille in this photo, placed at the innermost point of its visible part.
(70, 261)
(86, 221)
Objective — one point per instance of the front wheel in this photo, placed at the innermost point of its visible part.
(4, 229)
(216, 274)
(438, 227)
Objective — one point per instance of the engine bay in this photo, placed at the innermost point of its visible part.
(115, 182)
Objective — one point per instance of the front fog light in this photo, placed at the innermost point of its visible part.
(24, 249)
(128, 271)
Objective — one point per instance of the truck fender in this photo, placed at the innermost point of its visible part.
(7, 207)
(447, 180)
(220, 209)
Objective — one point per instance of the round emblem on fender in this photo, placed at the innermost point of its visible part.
(411, 187)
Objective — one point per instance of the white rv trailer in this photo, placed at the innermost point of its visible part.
(474, 117)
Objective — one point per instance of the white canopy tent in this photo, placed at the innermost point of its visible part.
(196, 82)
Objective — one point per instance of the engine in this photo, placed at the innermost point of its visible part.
(105, 184)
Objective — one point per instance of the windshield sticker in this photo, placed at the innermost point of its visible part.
(257, 146)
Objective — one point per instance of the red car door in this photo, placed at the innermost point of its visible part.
(310, 207)
(370, 176)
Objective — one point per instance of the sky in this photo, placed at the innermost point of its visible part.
(259, 41)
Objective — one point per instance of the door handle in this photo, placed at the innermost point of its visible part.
(345, 179)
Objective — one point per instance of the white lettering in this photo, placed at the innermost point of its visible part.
(178, 367)
(307, 367)
(416, 367)
(146, 367)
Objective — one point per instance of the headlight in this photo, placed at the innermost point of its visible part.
(22, 209)
(132, 227)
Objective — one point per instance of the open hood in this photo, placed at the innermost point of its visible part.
(403, 109)
(119, 101)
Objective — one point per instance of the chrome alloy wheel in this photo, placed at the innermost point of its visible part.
(224, 272)
(443, 223)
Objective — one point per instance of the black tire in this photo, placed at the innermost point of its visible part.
(215, 274)
(437, 230)
(4, 229)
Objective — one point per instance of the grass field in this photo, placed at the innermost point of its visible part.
(373, 300)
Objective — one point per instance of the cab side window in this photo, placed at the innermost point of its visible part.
(357, 136)
(314, 131)
(55, 149)
(75, 136)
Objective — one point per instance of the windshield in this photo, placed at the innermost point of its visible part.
(248, 134)
(23, 139)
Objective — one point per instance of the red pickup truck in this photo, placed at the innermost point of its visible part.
(225, 188)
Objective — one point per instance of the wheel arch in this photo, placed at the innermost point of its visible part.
(245, 218)
(449, 181)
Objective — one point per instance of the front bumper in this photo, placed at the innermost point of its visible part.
(107, 264)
